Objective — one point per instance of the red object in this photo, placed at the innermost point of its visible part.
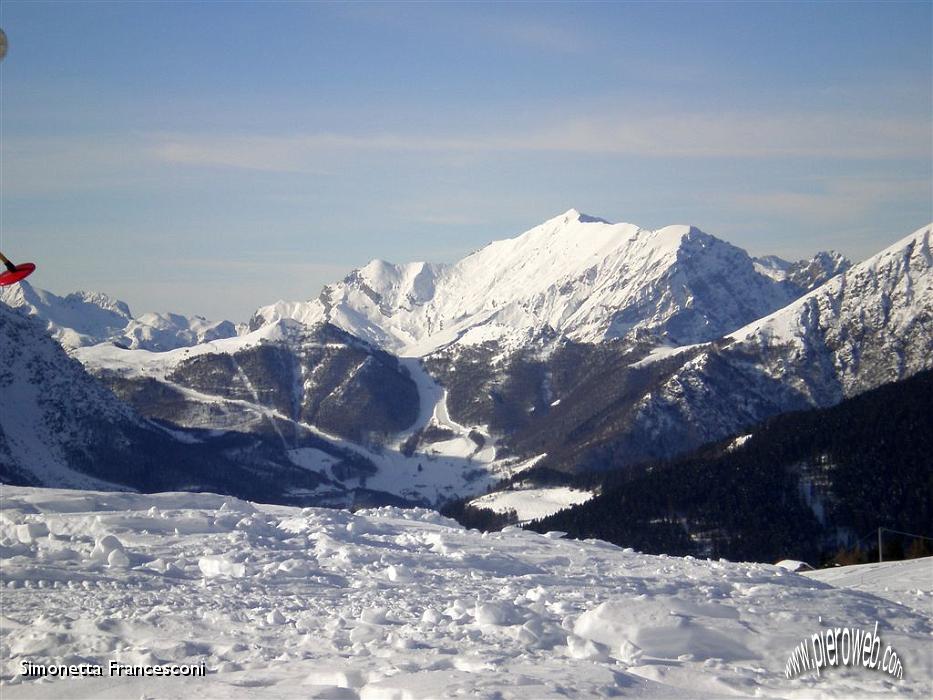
(22, 271)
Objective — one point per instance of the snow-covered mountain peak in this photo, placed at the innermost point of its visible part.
(830, 259)
(24, 294)
(99, 299)
(575, 216)
(804, 275)
(906, 264)
(17, 295)
(81, 318)
(575, 275)
(809, 274)
(410, 282)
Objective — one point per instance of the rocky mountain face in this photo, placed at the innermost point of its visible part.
(50, 407)
(578, 345)
(291, 374)
(61, 426)
(807, 275)
(89, 318)
(804, 275)
(594, 406)
(329, 402)
(872, 325)
(867, 327)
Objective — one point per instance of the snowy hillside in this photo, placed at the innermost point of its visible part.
(61, 427)
(872, 325)
(867, 327)
(88, 318)
(317, 392)
(49, 404)
(573, 275)
(279, 602)
(530, 502)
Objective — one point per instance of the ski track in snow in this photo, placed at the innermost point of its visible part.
(284, 602)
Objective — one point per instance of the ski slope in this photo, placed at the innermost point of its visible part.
(282, 602)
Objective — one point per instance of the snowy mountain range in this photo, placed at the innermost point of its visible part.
(574, 276)
(579, 344)
(862, 329)
(90, 318)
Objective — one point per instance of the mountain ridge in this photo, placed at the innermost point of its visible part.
(61, 427)
(573, 275)
(84, 318)
(507, 388)
(870, 326)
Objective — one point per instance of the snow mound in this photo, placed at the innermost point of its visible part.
(221, 566)
(793, 564)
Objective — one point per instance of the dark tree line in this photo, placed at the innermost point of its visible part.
(478, 518)
(787, 492)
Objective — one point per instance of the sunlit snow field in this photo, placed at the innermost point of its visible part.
(285, 602)
(532, 503)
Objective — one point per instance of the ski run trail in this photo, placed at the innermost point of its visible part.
(281, 602)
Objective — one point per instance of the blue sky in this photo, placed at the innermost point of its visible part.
(213, 157)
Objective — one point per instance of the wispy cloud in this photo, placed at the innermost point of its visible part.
(79, 163)
(535, 34)
(739, 136)
(631, 134)
(833, 201)
(496, 22)
(114, 161)
(286, 153)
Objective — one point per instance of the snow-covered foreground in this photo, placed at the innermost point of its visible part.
(284, 602)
